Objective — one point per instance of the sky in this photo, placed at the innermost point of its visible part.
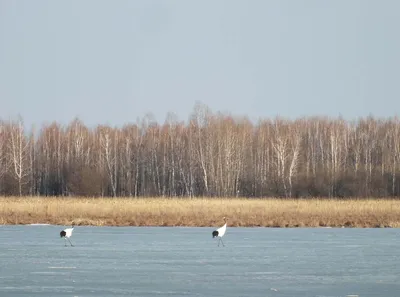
(112, 62)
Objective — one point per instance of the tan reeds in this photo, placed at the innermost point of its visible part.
(269, 212)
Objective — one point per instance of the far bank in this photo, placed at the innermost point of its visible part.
(241, 212)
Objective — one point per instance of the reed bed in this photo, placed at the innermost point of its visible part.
(269, 212)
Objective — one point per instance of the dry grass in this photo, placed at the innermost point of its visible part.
(200, 212)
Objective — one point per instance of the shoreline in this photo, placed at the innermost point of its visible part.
(201, 212)
(184, 226)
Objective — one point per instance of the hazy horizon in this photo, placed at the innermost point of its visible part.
(114, 62)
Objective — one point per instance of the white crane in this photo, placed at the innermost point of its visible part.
(67, 233)
(220, 232)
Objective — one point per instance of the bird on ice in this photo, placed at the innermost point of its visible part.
(67, 233)
(220, 232)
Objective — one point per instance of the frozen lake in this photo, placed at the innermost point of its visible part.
(128, 261)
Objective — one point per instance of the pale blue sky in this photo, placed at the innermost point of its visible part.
(113, 61)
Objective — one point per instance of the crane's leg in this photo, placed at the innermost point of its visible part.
(70, 242)
(65, 241)
(219, 240)
(222, 242)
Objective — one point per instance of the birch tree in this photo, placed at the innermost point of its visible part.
(108, 145)
(19, 153)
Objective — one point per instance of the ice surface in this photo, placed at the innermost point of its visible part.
(127, 261)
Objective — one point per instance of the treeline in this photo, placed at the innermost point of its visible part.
(210, 155)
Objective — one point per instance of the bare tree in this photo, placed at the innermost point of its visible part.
(19, 152)
(294, 158)
(109, 144)
(200, 125)
(4, 161)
